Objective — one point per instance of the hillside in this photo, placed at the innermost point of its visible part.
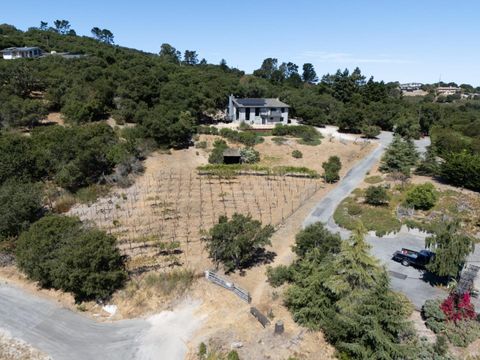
(114, 187)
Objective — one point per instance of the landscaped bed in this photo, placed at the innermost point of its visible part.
(224, 170)
(389, 217)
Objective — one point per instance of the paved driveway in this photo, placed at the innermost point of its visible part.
(404, 279)
(64, 334)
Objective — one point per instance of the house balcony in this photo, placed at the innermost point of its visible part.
(269, 113)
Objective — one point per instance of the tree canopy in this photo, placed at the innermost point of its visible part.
(400, 156)
(346, 294)
(451, 249)
(235, 243)
(60, 252)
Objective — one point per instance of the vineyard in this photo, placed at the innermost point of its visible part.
(159, 221)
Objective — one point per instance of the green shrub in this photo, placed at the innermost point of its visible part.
(297, 154)
(244, 137)
(202, 350)
(279, 140)
(435, 318)
(233, 355)
(278, 275)
(331, 169)
(20, 205)
(462, 169)
(376, 195)
(207, 130)
(201, 145)
(441, 345)
(236, 242)
(91, 193)
(216, 156)
(60, 252)
(354, 209)
(308, 134)
(219, 143)
(462, 333)
(249, 155)
(422, 196)
(244, 126)
(374, 179)
(316, 237)
(371, 131)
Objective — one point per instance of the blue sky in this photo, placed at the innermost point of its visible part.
(404, 40)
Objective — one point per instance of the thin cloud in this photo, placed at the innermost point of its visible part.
(347, 58)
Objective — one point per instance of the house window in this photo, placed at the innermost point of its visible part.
(273, 109)
(283, 110)
(247, 114)
(257, 111)
(237, 113)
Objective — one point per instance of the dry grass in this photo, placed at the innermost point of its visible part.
(171, 203)
(64, 203)
(13, 349)
(179, 207)
(153, 291)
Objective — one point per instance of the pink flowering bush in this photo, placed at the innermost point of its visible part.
(453, 317)
(458, 307)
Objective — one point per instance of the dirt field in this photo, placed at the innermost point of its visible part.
(229, 321)
(176, 206)
(171, 206)
(171, 203)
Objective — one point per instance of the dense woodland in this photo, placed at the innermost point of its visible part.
(168, 94)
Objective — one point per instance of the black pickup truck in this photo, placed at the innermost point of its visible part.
(417, 259)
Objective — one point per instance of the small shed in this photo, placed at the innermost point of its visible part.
(232, 156)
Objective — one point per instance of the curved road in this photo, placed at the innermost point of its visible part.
(64, 334)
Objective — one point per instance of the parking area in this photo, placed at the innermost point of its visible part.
(405, 279)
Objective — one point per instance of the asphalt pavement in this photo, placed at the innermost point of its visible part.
(407, 280)
(63, 334)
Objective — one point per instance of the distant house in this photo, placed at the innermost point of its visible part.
(257, 111)
(411, 86)
(21, 53)
(448, 90)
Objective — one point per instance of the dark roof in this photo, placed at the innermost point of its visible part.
(232, 152)
(259, 102)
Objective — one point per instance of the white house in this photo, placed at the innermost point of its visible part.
(21, 52)
(448, 90)
(411, 86)
(257, 111)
